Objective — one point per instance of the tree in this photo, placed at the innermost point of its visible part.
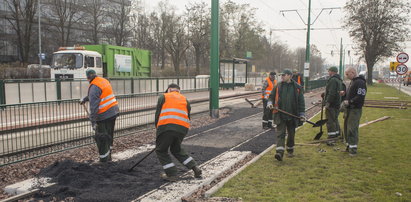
(177, 42)
(65, 13)
(21, 20)
(198, 21)
(119, 19)
(95, 14)
(378, 27)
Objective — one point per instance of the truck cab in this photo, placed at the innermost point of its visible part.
(73, 62)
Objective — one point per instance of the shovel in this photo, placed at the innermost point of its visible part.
(131, 169)
(318, 136)
(316, 124)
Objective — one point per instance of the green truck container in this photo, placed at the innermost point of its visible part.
(123, 62)
(107, 60)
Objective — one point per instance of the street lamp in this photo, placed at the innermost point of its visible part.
(39, 18)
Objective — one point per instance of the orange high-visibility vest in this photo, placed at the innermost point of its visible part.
(107, 98)
(299, 79)
(269, 88)
(276, 100)
(174, 110)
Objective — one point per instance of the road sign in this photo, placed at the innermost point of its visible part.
(401, 69)
(393, 65)
(402, 57)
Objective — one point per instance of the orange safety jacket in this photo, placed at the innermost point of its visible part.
(269, 88)
(174, 110)
(299, 79)
(107, 98)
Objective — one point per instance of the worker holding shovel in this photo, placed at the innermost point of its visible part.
(332, 102)
(172, 120)
(287, 102)
(103, 113)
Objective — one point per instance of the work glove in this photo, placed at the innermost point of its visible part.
(270, 105)
(342, 93)
(302, 116)
(346, 103)
(301, 119)
(83, 100)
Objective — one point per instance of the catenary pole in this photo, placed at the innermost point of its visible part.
(307, 49)
(215, 59)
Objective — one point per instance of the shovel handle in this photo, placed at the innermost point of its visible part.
(85, 109)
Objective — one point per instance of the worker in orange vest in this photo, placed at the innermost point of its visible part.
(268, 86)
(172, 121)
(297, 77)
(103, 113)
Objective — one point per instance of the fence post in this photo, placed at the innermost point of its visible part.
(2, 93)
(58, 88)
(195, 84)
(157, 85)
(132, 85)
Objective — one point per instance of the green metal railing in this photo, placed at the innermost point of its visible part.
(42, 90)
(31, 130)
(313, 84)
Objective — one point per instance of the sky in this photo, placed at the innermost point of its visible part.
(269, 13)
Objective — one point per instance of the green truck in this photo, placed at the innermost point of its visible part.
(107, 60)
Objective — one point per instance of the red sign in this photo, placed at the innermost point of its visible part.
(402, 57)
(401, 69)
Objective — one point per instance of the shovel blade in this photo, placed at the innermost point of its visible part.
(320, 123)
(318, 136)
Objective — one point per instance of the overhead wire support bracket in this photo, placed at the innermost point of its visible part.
(295, 10)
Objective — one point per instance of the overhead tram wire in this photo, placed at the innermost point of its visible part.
(278, 12)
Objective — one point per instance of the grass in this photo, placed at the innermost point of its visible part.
(380, 170)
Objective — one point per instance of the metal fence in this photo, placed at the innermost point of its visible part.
(30, 130)
(35, 129)
(44, 90)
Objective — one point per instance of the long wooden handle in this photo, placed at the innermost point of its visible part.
(85, 109)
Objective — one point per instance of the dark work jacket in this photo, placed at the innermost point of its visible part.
(169, 127)
(356, 93)
(332, 91)
(291, 99)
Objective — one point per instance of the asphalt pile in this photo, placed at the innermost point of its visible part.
(109, 181)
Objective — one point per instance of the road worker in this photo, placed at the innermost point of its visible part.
(268, 85)
(287, 96)
(332, 102)
(172, 121)
(103, 113)
(353, 103)
(297, 77)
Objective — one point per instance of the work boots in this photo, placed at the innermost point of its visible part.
(172, 178)
(279, 156)
(265, 126)
(197, 172)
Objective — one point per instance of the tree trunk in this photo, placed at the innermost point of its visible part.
(197, 55)
(370, 67)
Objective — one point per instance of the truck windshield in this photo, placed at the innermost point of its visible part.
(67, 60)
